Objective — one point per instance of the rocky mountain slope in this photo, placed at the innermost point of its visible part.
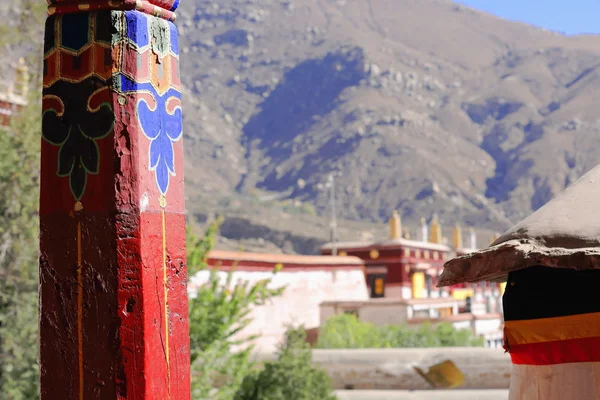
(421, 105)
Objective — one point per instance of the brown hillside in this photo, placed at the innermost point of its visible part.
(421, 105)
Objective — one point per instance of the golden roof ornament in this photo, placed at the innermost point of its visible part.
(395, 226)
(457, 239)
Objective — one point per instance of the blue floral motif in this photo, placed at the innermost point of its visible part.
(163, 128)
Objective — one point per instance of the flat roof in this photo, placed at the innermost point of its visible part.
(393, 301)
(388, 243)
(241, 256)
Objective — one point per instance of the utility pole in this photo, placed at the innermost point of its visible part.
(333, 225)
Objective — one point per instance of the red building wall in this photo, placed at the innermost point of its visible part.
(399, 260)
(6, 111)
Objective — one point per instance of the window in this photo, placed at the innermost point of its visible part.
(406, 252)
(426, 254)
(353, 311)
(418, 285)
(379, 286)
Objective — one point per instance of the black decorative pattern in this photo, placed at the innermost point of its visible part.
(76, 128)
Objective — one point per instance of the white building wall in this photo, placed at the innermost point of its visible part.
(488, 326)
(394, 292)
(299, 304)
(462, 324)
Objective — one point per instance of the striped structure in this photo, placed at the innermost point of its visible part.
(542, 328)
(551, 263)
(552, 333)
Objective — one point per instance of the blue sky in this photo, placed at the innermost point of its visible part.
(568, 16)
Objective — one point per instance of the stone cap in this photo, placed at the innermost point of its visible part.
(565, 233)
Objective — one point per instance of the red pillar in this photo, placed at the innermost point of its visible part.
(113, 297)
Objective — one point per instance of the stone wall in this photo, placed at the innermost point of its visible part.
(392, 369)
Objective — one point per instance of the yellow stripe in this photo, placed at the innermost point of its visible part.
(80, 310)
(166, 311)
(552, 329)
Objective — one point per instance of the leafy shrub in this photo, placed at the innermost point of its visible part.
(291, 377)
(19, 183)
(217, 312)
(345, 331)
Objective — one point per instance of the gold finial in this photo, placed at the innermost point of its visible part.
(395, 226)
(457, 239)
(406, 234)
(22, 79)
(435, 236)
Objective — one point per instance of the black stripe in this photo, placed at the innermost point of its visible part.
(542, 292)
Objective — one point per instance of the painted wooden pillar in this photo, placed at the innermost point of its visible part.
(113, 298)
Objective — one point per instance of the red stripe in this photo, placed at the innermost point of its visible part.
(559, 352)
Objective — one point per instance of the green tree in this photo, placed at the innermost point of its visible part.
(217, 312)
(19, 180)
(19, 183)
(291, 376)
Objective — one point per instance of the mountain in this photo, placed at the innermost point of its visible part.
(424, 106)
(421, 105)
